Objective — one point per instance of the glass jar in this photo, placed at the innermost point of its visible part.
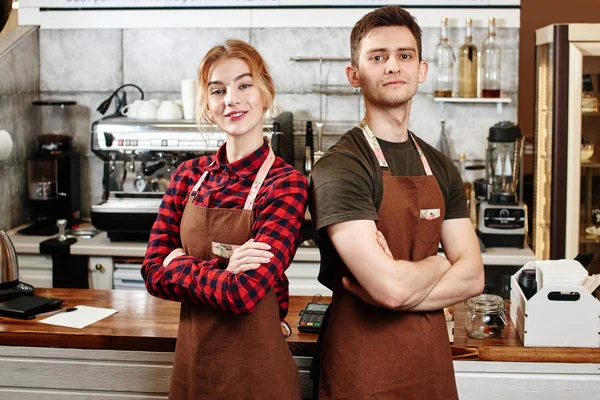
(485, 316)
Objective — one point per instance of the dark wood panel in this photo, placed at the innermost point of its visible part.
(532, 18)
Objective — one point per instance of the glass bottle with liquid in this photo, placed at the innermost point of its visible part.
(445, 64)
(491, 56)
(469, 189)
(467, 64)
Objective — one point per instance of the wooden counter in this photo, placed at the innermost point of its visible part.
(145, 323)
(129, 356)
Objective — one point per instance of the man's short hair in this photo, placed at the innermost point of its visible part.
(392, 15)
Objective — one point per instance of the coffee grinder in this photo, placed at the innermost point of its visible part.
(502, 218)
(54, 171)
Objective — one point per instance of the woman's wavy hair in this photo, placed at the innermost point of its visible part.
(258, 69)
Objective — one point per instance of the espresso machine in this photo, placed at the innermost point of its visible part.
(54, 171)
(502, 218)
(140, 156)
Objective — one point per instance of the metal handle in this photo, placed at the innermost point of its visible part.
(131, 166)
(99, 267)
(307, 160)
(151, 169)
(320, 135)
(62, 225)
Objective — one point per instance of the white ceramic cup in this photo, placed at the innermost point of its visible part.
(188, 98)
(130, 110)
(169, 110)
(147, 110)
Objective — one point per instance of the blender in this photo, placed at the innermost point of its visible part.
(54, 171)
(502, 218)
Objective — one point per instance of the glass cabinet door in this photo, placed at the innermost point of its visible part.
(543, 152)
(589, 218)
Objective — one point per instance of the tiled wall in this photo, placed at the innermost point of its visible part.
(19, 86)
(87, 65)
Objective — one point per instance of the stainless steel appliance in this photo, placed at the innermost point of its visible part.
(10, 286)
(54, 171)
(502, 219)
(140, 156)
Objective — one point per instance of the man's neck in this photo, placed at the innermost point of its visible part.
(390, 124)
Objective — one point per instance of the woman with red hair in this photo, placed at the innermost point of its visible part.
(228, 228)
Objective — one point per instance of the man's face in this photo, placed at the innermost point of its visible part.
(389, 70)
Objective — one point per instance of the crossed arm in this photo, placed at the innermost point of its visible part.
(431, 284)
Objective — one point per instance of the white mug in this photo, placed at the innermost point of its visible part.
(147, 110)
(169, 110)
(130, 110)
(188, 97)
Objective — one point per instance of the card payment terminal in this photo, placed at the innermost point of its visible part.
(311, 317)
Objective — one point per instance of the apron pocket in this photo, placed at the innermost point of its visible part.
(430, 228)
(223, 250)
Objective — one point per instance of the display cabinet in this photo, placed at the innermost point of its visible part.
(567, 129)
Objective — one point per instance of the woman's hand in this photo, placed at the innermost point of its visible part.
(172, 255)
(249, 256)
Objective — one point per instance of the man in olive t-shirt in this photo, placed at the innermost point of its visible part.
(348, 186)
(384, 335)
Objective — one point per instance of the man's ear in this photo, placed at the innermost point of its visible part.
(352, 75)
(423, 68)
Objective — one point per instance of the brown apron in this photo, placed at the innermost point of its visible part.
(373, 353)
(220, 355)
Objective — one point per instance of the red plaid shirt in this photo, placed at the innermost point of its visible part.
(278, 216)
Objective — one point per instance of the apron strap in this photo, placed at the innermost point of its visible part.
(260, 178)
(196, 187)
(372, 139)
(256, 185)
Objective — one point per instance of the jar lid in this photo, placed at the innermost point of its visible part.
(486, 302)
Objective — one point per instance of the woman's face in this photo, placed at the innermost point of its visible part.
(235, 103)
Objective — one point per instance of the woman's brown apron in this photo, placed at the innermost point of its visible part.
(220, 355)
(373, 353)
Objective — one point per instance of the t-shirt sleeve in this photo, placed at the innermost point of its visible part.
(456, 206)
(341, 190)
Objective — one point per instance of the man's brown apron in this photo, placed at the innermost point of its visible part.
(220, 355)
(373, 353)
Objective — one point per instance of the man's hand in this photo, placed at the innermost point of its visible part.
(383, 243)
(359, 291)
(356, 288)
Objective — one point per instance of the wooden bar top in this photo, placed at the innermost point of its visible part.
(145, 323)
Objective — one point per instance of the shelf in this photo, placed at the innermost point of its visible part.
(336, 90)
(483, 100)
(590, 114)
(320, 59)
(586, 238)
(590, 164)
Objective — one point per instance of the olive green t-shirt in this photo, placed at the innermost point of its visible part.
(346, 185)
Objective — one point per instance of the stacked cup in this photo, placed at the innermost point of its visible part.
(188, 98)
(528, 283)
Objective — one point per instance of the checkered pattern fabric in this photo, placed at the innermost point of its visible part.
(278, 216)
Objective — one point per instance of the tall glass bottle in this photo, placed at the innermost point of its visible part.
(445, 64)
(467, 65)
(490, 63)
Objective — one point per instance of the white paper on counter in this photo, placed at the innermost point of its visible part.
(79, 318)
